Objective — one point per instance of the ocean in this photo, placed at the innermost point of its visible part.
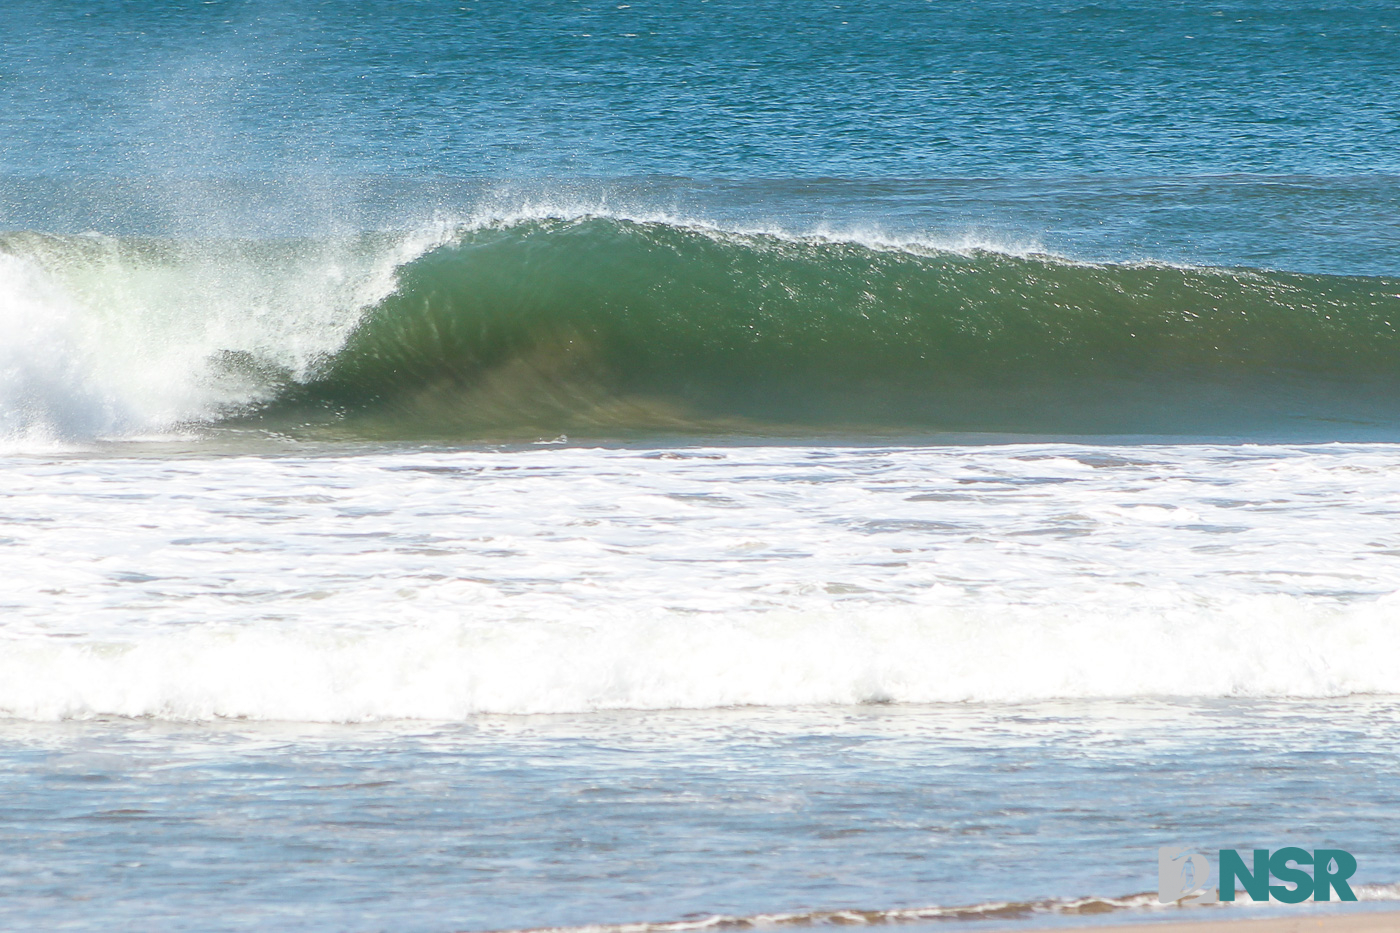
(483, 466)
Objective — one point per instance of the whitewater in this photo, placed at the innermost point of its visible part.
(642, 565)
(438, 584)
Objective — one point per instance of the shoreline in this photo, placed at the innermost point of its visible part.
(1347, 921)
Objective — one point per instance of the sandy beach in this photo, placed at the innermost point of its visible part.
(1368, 922)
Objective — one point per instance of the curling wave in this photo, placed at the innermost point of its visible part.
(605, 325)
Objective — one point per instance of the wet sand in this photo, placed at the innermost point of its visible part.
(1350, 922)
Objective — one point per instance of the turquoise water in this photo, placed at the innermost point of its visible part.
(477, 465)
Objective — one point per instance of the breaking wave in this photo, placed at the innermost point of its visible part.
(450, 668)
(602, 325)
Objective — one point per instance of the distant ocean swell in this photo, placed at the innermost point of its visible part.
(607, 325)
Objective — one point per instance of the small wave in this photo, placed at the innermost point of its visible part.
(450, 666)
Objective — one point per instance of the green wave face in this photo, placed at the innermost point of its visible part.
(611, 326)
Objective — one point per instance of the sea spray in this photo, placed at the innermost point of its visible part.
(111, 337)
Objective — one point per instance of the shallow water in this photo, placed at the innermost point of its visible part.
(748, 596)
(509, 822)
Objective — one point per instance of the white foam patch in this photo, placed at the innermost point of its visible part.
(101, 337)
(443, 584)
(443, 668)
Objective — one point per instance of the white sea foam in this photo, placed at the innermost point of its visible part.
(439, 585)
(101, 337)
(449, 669)
(1130, 908)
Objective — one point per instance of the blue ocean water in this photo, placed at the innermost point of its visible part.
(1242, 133)
(768, 89)
(481, 465)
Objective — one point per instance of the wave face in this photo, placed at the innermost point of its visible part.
(604, 325)
(577, 324)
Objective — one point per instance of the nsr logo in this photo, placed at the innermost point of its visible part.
(1183, 875)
